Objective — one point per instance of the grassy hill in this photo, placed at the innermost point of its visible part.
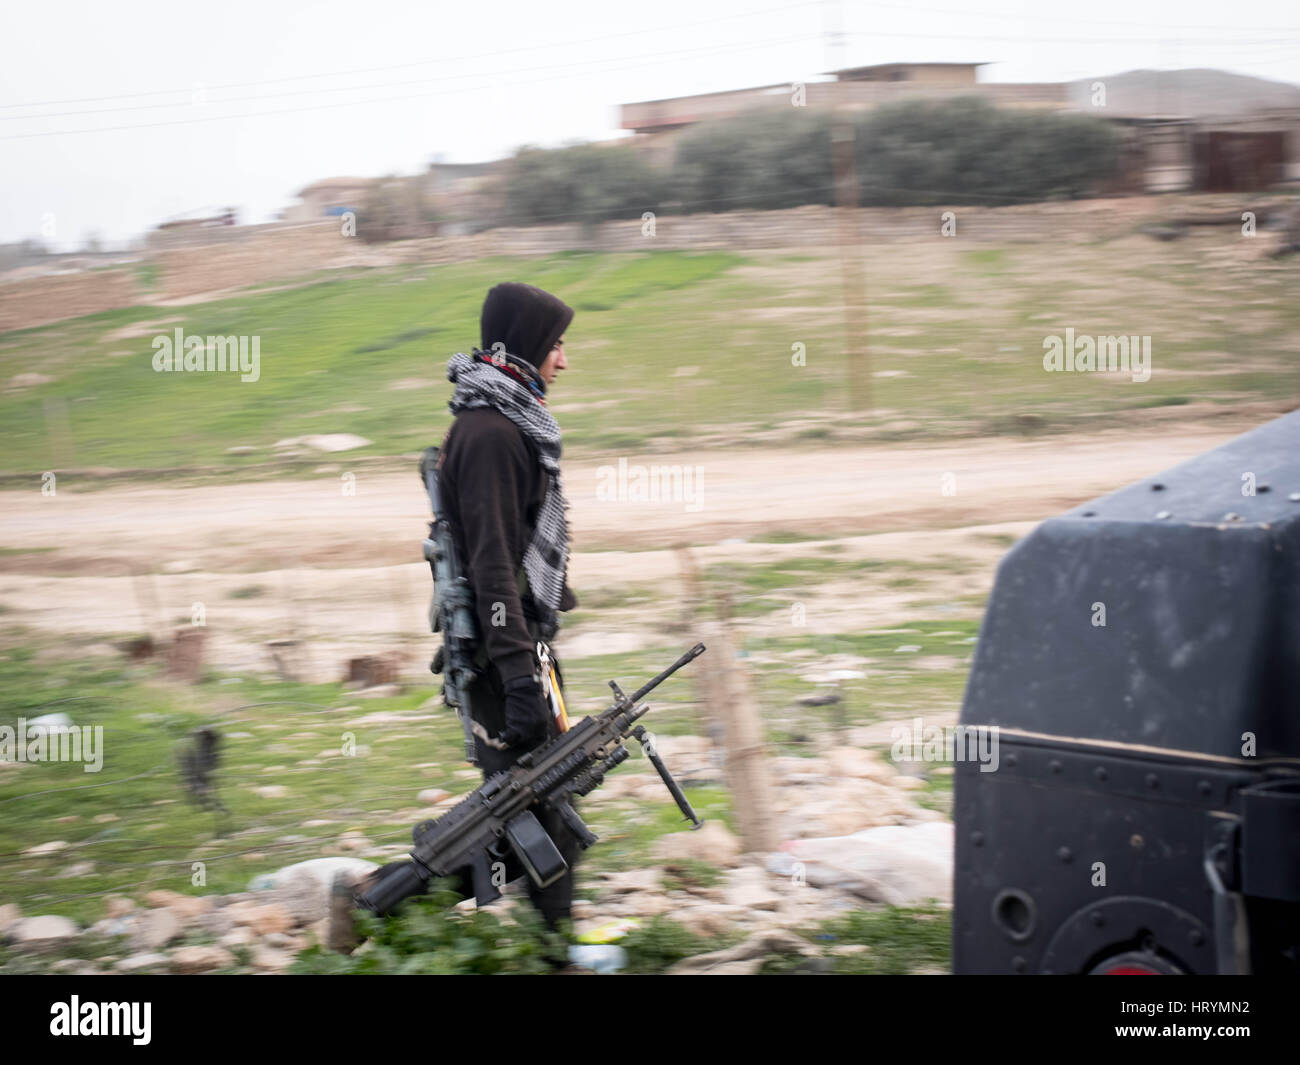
(668, 348)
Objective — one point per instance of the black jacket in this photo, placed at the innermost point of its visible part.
(492, 486)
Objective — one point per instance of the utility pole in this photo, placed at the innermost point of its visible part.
(849, 221)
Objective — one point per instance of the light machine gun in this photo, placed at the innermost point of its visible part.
(499, 819)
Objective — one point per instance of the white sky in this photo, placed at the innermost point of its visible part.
(324, 88)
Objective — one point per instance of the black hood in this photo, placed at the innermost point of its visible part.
(525, 320)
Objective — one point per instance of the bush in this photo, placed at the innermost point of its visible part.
(765, 161)
(915, 153)
(659, 944)
(583, 183)
(431, 938)
(967, 151)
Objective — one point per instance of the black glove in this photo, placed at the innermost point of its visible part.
(527, 713)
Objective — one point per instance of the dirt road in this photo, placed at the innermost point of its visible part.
(335, 558)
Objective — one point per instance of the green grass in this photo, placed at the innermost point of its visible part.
(150, 834)
(155, 833)
(348, 353)
(898, 940)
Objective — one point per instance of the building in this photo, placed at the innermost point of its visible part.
(329, 198)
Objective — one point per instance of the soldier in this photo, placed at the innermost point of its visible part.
(500, 476)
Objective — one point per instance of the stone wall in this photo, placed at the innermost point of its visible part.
(41, 300)
(233, 258)
(251, 256)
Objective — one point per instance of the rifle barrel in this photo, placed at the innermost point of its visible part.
(650, 685)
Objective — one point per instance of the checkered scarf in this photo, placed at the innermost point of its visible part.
(510, 385)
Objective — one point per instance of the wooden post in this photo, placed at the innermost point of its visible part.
(726, 692)
(851, 267)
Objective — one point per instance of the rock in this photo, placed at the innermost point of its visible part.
(633, 880)
(188, 960)
(822, 699)
(747, 888)
(705, 921)
(216, 923)
(238, 937)
(852, 762)
(303, 897)
(745, 958)
(645, 904)
(103, 819)
(155, 929)
(433, 795)
(116, 926)
(330, 442)
(28, 380)
(10, 915)
(322, 870)
(895, 864)
(47, 928)
(183, 906)
(51, 721)
(272, 791)
(53, 847)
(118, 905)
(271, 960)
(139, 962)
(262, 919)
(713, 843)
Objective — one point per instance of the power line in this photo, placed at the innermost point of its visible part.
(619, 60)
(1091, 21)
(495, 54)
(385, 99)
